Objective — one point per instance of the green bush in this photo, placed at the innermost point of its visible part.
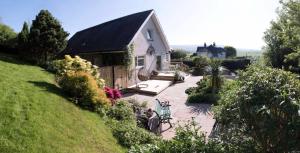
(236, 63)
(197, 71)
(264, 105)
(84, 88)
(190, 90)
(129, 134)
(178, 54)
(122, 111)
(202, 93)
(202, 97)
(200, 63)
(188, 139)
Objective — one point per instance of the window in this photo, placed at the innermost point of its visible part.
(149, 35)
(167, 56)
(139, 61)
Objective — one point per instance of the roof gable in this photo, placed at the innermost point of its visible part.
(111, 36)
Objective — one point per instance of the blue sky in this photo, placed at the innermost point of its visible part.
(239, 23)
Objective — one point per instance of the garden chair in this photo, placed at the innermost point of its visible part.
(163, 112)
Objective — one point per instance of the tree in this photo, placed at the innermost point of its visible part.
(47, 37)
(262, 106)
(23, 39)
(282, 39)
(215, 68)
(230, 51)
(178, 54)
(7, 36)
(200, 61)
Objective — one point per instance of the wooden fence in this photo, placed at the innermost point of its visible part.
(114, 76)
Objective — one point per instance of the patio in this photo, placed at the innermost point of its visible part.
(180, 110)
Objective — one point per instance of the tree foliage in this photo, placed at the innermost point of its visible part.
(230, 51)
(47, 37)
(282, 39)
(7, 36)
(262, 107)
(178, 54)
(23, 39)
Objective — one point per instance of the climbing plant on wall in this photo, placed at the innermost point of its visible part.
(129, 57)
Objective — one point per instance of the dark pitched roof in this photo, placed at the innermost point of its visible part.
(210, 48)
(201, 49)
(110, 36)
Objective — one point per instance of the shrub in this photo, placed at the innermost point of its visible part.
(178, 54)
(236, 64)
(202, 93)
(122, 111)
(112, 94)
(264, 105)
(197, 71)
(72, 65)
(190, 90)
(84, 88)
(129, 134)
(188, 139)
(200, 63)
(202, 97)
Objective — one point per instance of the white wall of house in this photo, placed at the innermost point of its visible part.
(141, 45)
(210, 55)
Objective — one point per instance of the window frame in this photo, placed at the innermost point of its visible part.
(149, 35)
(137, 58)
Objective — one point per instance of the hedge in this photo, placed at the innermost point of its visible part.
(236, 64)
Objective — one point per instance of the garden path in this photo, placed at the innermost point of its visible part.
(181, 111)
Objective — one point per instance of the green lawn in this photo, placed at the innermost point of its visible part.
(35, 116)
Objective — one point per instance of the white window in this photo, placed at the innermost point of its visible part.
(139, 61)
(149, 35)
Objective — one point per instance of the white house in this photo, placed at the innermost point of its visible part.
(211, 51)
(105, 44)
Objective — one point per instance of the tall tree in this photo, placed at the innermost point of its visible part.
(230, 51)
(282, 39)
(47, 37)
(23, 39)
(7, 36)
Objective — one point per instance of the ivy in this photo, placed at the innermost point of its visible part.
(128, 56)
(128, 59)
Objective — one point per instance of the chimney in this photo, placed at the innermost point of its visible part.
(204, 45)
(214, 44)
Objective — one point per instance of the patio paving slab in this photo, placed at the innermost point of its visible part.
(180, 110)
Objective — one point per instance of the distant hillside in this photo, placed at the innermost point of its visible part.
(37, 117)
(240, 51)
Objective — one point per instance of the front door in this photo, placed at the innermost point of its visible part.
(158, 63)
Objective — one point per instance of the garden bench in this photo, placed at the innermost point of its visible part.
(163, 112)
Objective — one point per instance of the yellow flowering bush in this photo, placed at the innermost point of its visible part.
(84, 88)
(70, 65)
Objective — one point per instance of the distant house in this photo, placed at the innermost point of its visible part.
(105, 44)
(211, 51)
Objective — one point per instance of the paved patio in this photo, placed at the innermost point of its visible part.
(181, 111)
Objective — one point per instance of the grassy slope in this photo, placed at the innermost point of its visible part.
(36, 117)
